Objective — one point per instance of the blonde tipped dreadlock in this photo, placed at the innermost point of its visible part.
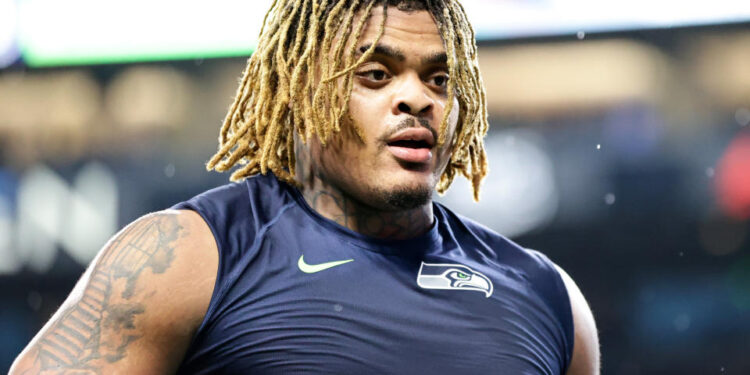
(277, 94)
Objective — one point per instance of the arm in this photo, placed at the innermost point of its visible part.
(586, 354)
(137, 306)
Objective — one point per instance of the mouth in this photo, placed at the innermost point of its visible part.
(413, 145)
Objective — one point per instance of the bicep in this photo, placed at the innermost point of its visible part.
(117, 319)
(586, 356)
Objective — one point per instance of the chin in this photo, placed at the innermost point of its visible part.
(409, 198)
(401, 196)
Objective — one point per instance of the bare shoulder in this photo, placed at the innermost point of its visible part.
(137, 305)
(586, 356)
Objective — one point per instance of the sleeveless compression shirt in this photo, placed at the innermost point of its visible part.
(298, 293)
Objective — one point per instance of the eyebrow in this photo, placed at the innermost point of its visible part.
(435, 58)
(385, 51)
(396, 54)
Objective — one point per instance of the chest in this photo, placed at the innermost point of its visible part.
(339, 309)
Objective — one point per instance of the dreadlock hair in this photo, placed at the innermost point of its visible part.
(305, 56)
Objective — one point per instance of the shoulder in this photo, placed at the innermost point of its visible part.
(256, 198)
(219, 198)
(168, 260)
(498, 248)
(249, 188)
(505, 255)
(138, 304)
(586, 356)
(555, 288)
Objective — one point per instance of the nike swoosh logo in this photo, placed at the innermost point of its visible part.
(313, 268)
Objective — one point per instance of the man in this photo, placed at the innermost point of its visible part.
(329, 256)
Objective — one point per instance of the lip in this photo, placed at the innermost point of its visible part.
(409, 154)
(414, 134)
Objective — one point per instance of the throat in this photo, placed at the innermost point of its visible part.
(396, 223)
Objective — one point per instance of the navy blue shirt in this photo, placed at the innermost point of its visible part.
(296, 292)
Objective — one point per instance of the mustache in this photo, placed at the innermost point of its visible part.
(406, 123)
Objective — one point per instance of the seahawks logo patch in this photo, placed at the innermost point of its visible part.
(453, 276)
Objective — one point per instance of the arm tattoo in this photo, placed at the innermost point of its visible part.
(100, 325)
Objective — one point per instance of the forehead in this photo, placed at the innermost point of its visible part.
(414, 31)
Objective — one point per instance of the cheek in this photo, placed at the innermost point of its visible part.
(368, 109)
(342, 157)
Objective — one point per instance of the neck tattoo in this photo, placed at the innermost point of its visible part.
(334, 204)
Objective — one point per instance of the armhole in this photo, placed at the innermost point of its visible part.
(219, 282)
(224, 277)
(566, 309)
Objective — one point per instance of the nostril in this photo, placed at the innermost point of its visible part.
(403, 107)
(425, 110)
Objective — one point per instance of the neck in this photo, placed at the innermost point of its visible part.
(334, 204)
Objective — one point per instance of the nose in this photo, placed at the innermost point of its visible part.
(412, 98)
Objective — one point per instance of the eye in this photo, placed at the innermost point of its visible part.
(375, 75)
(439, 80)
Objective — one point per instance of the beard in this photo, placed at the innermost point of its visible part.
(400, 198)
(389, 197)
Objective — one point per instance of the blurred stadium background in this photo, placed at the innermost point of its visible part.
(620, 147)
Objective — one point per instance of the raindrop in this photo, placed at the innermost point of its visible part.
(742, 116)
(598, 146)
(580, 35)
(337, 307)
(609, 199)
(169, 170)
(722, 369)
(681, 253)
(709, 172)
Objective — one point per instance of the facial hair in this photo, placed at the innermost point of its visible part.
(401, 198)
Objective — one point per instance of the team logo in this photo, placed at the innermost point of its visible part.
(453, 276)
